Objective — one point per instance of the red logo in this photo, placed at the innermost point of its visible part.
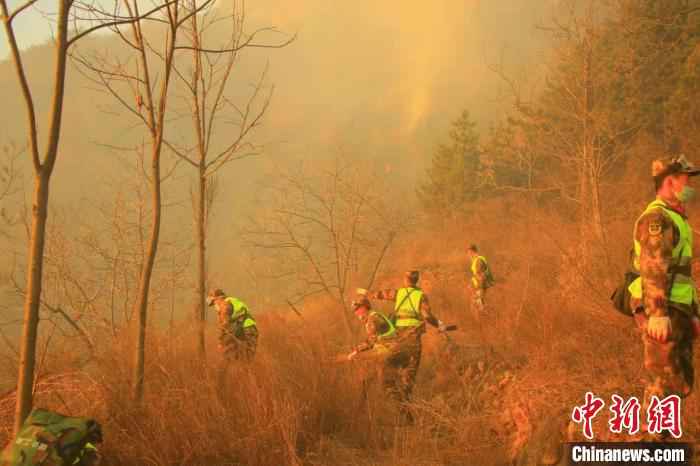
(585, 413)
(625, 415)
(665, 415)
(662, 415)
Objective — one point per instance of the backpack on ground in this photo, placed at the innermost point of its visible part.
(50, 439)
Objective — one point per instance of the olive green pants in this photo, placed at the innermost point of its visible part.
(401, 368)
(240, 345)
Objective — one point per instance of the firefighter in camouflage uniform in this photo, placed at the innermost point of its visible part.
(238, 332)
(481, 278)
(411, 312)
(664, 297)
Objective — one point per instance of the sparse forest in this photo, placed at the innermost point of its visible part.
(152, 154)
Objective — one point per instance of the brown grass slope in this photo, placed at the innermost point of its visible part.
(502, 388)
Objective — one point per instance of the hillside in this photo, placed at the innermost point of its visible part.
(398, 135)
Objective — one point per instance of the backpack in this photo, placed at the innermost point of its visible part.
(50, 439)
(621, 295)
(489, 281)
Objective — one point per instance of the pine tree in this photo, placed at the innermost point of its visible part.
(452, 176)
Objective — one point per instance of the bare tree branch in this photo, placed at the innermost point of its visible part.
(119, 22)
(20, 9)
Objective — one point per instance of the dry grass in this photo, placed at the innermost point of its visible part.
(481, 398)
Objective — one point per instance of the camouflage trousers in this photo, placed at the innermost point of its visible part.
(236, 348)
(239, 345)
(401, 365)
(669, 366)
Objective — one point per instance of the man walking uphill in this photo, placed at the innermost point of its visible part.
(481, 277)
(664, 298)
(411, 311)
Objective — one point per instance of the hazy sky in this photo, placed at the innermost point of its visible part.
(376, 73)
(384, 79)
(31, 27)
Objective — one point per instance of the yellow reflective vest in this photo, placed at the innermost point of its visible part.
(683, 290)
(407, 307)
(240, 309)
(392, 329)
(475, 263)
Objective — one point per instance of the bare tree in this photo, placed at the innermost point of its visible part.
(119, 243)
(89, 271)
(207, 85)
(9, 176)
(113, 246)
(69, 294)
(568, 127)
(67, 12)
(144, 92)
(148, 86)
(328, 227)
(8, 169)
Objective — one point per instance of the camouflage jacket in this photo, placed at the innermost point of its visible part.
(375, 325)
(657, 235)
(224, 311)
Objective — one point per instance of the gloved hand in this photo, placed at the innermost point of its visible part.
(352, 355)
(696, 327)
(441, 326)
(659, 328)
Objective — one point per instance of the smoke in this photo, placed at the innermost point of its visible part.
(390, 75)
(377, 80)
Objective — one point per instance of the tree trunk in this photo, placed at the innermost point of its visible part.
(42, 177)
(27, 358)
(201, 216)
(198, 115)
(590, 197)
(145, 283)
(595, 206)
